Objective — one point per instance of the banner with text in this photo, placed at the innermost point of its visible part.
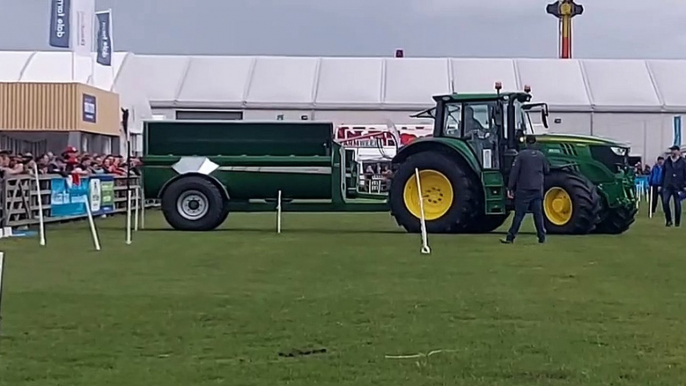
(67, 201)
(104, 38)
(60, 26)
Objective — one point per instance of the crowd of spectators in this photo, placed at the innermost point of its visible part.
(69, 162)
(642, 170)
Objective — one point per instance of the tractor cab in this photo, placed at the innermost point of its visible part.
(493, 125)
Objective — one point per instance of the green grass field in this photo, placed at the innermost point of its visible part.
(218, 308)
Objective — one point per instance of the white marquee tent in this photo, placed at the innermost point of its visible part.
(629, 100)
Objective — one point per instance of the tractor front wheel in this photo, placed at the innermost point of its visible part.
(194, 204)
(449, 195)
(616, 221)
(571, 204)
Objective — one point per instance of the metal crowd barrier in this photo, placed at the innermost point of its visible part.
(107, 194)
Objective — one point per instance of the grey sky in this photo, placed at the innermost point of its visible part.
(459, 28)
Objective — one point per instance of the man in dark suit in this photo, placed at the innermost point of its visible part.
(673, 183)
(526, 187)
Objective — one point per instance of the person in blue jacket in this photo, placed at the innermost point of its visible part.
(654, 180)
(673, 184)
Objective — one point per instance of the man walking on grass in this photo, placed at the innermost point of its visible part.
(526, 188)
(673, 183)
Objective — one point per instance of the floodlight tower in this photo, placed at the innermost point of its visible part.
(564, 11)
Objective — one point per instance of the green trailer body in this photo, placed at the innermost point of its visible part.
(248, 164)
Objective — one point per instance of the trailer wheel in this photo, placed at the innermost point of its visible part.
(571, 204)
(449, 197)
(193, 204)
(617, 220)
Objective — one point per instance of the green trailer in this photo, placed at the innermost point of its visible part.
(203, 170)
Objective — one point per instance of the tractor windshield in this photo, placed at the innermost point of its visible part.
(521, 119)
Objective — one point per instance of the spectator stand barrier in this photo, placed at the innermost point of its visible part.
(106, 193)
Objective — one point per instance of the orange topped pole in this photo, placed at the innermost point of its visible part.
(564, 11)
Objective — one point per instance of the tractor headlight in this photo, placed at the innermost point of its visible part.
(620, 151)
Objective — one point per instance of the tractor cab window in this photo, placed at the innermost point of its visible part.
(453, 117)
(481, 132)
(475, 123)
(521, 120)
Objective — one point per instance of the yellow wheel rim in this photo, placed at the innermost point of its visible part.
(557, 206)
(437, 193)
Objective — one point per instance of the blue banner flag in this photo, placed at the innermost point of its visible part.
(677, 130)
(60, 23)
(104, 38)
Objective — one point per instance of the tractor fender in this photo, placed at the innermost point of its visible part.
(452, 148)
(209, 178)
(562, 165)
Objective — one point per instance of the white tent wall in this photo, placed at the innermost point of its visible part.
(649, 135)
(134, 98)
(163, 114)
(630, 100)
(569, 123)
(273, 114)
(366, 117)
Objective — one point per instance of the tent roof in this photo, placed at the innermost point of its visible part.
(370, 83)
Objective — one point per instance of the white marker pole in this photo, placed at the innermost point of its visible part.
(136, 213)
(142, 208)
(650, 204)
(278, 213)
(94, 232)
(128, 217)
(425, 237)
(41, 221)
(2, 275)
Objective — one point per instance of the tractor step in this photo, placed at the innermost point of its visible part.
(494, 189)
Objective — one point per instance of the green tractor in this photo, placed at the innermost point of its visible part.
(464, 169)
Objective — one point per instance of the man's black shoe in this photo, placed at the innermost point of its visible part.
(541, 241)
(668, 224)
(506, 241)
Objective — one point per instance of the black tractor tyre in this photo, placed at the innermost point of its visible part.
(616, 221)
(465, 195)
(485, 224)
(585, 203)
(194, 204)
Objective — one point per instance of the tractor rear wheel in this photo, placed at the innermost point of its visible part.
(571, 204)
(194, 204)
(616, 220)
(449, 195)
